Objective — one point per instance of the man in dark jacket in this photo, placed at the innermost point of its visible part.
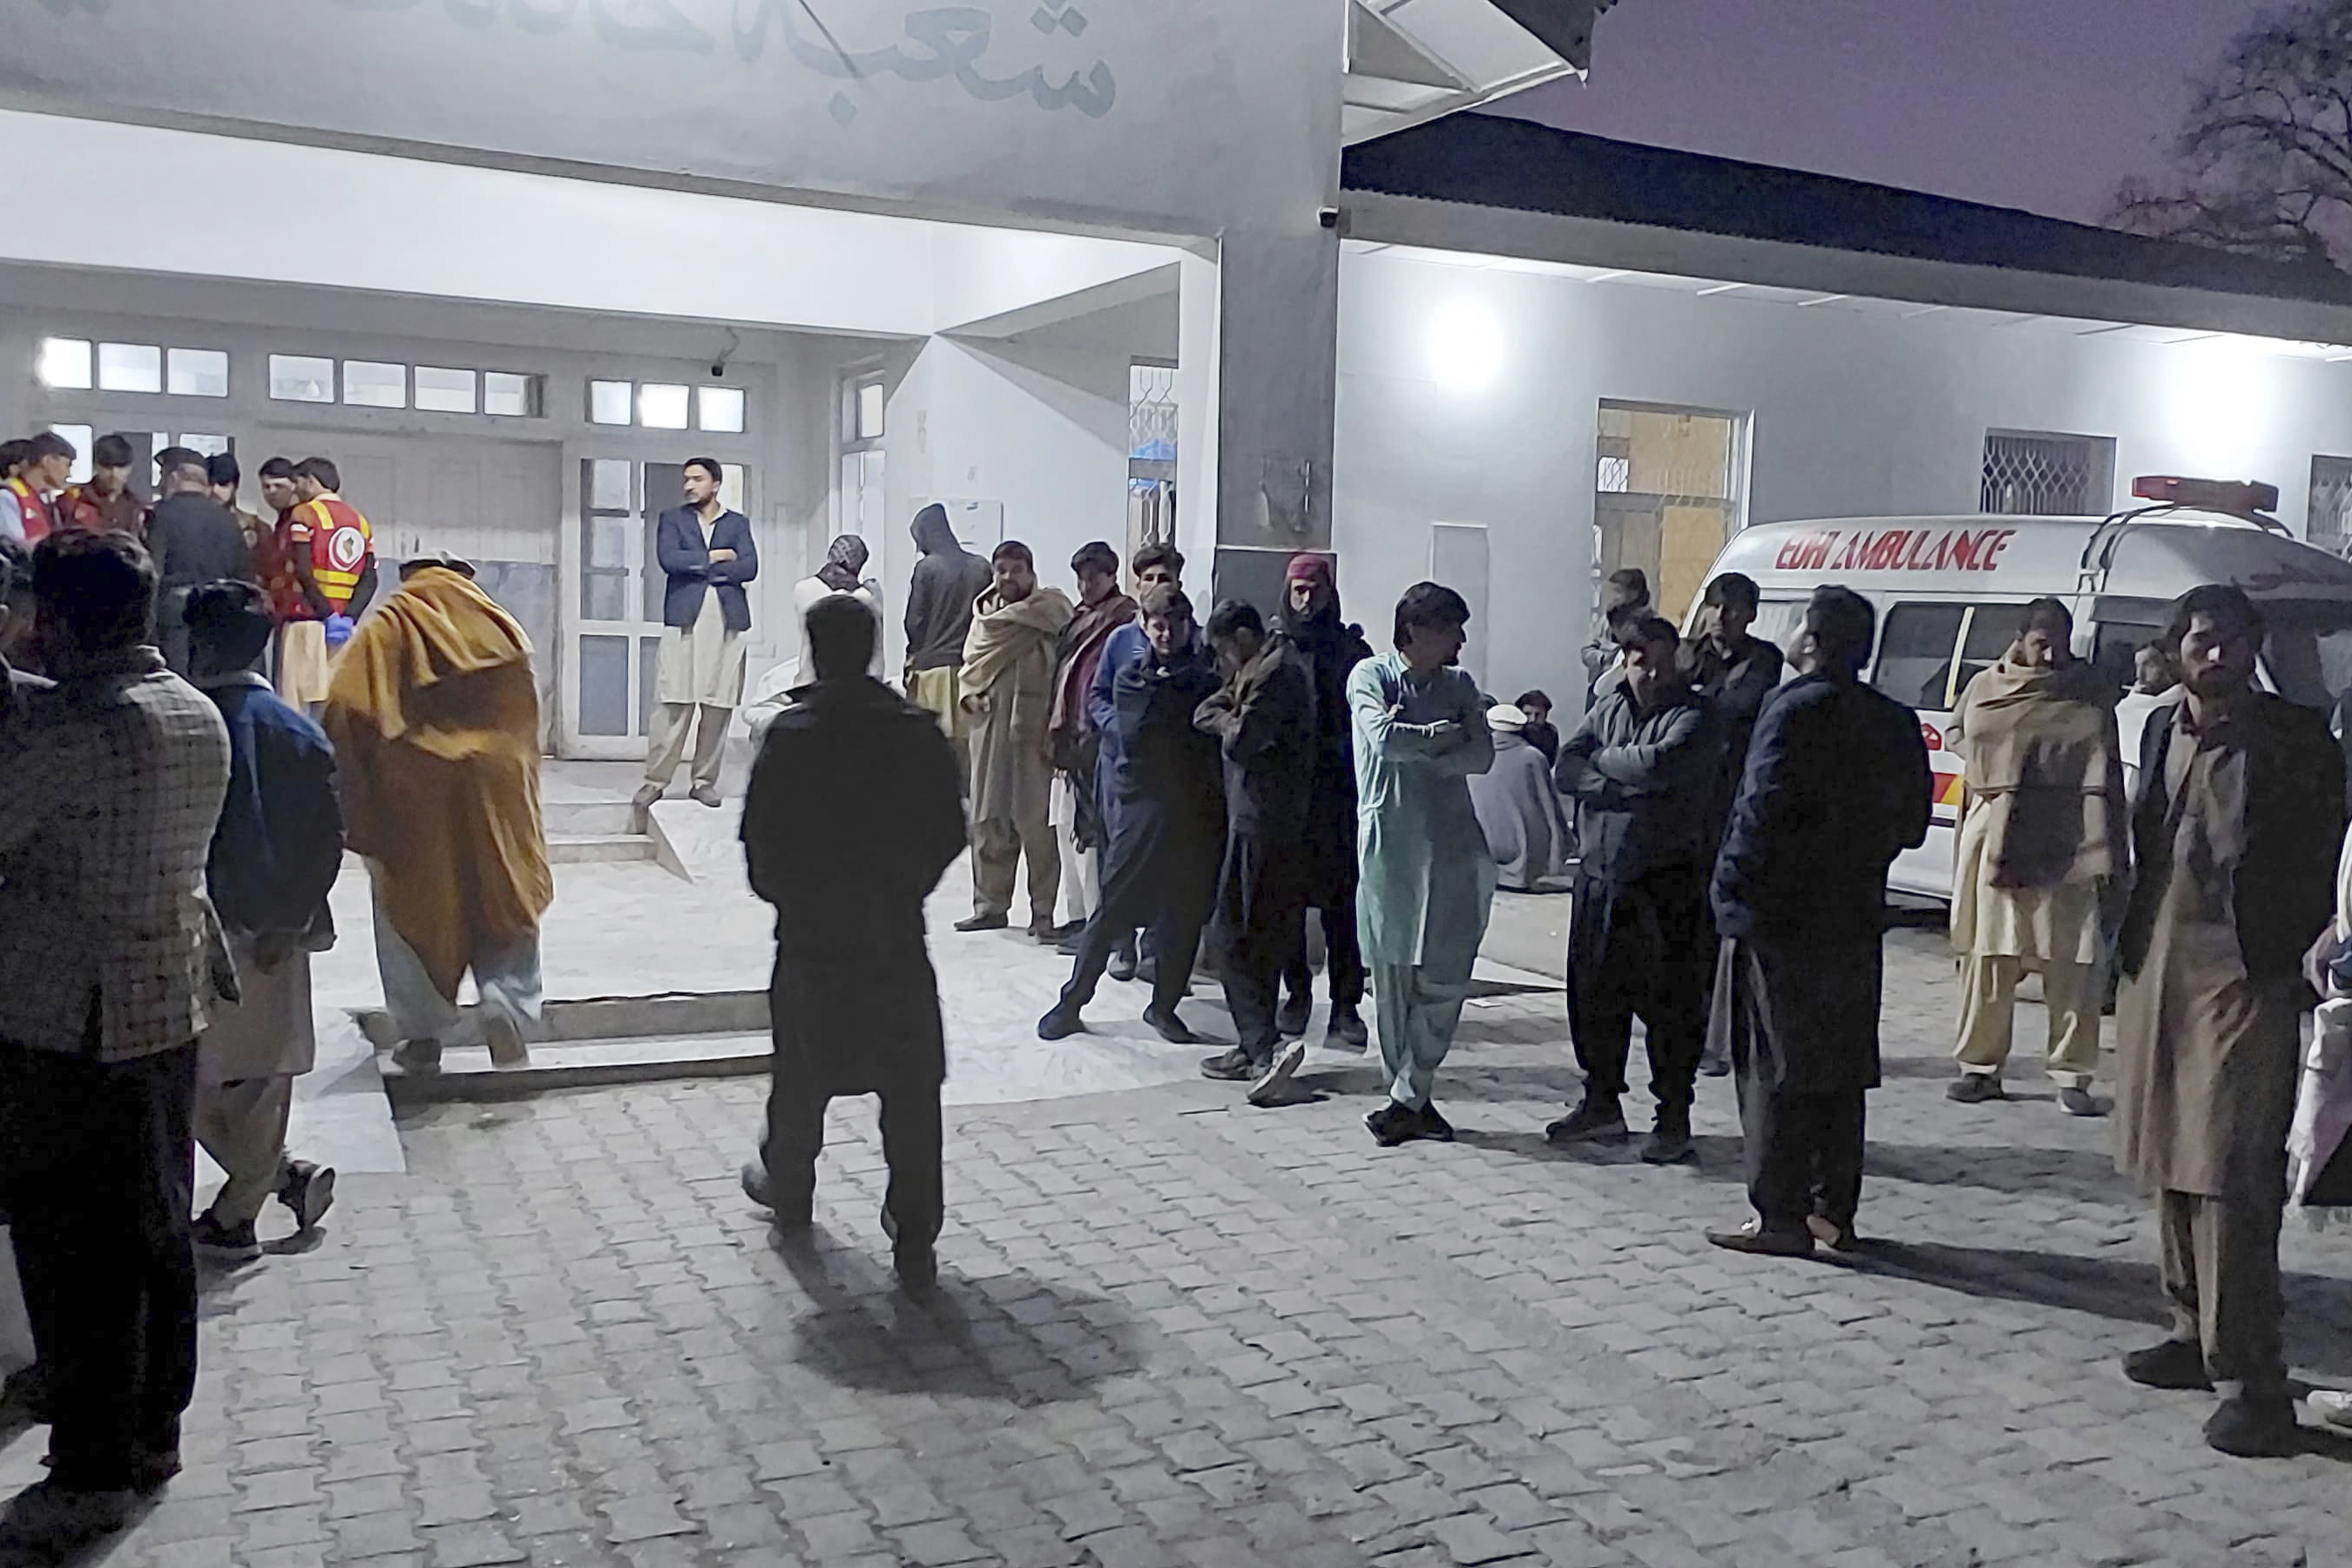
(1264, 718)
(2241, 812)
(1836, 785)
(1734, 674)
(1639, 768)
(851, 818)
(1166, 820)
(1311, 620)
(706, 550)
(948, 581)
(195, 540)
(273, 859)
(1623, 597)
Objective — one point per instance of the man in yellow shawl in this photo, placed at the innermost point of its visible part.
(434, 716)
(2042, 850)
(1008, 689)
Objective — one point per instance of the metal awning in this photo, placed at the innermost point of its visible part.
(1415, 60)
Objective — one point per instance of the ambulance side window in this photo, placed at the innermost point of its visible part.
(1916, 644)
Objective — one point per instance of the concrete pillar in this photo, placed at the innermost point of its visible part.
(1260, 343)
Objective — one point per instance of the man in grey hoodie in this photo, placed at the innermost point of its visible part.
(946, 580)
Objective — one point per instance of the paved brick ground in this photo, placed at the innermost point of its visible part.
(1177, 1331)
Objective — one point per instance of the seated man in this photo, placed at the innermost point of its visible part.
(1520, 808)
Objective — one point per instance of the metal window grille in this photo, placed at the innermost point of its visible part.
(2329, 525)
(1152, 413)
(2036, 475)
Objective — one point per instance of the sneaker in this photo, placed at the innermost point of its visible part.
(2255, 1427)
(2172, 1363)
(1753, 1238)
(1594, 1121)
(2332, 1405)
(1433, 1127)
(1235, 1065)
(1394, 1124)
(1830, 1234)
(225, 1242)
(53, 1519)
(982, 922)
(1170, 1028)
(2076, 1100)
(1347, 1031)
(647, 797)
(1669, 1143)
(704, 794)
(795, 1216)
(917, 1264)
(1122, 964)
(418, 1058)
(1974, 1088)
(1275, 1086)
(1060, 1024)
(1295, 1015)
(309, 1189)
(503, 1033)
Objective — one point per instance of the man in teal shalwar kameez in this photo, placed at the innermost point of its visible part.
(1428, 878)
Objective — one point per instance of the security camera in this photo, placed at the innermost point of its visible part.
(718, 370)
(1328, 218)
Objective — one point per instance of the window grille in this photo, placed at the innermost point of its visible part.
(2037, 475)
(2329, 524)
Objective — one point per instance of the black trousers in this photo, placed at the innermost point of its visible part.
(1342, 950)
(911, 1137)
(99, 1161)
(1641, 949)
(1804, 1153)
(1261, 926)
(1158, 876)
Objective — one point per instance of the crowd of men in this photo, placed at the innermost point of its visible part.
(175, 824)
(315, 563)
(175, 821)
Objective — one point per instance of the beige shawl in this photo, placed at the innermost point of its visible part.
(2043, 757)
(1003, 634)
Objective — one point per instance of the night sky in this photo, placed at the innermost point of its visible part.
(2043, 104)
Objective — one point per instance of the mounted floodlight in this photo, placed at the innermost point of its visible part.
(2245, 497)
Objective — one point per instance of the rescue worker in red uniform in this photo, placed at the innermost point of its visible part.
(27, 511)
(331, 556)
(105, 503)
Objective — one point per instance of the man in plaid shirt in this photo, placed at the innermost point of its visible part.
(109, 957)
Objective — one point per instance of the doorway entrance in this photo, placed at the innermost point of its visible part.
(1667, 496)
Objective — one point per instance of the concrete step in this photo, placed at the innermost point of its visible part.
(589, 816)
(582, 848)
(574, 1021)
(467, 1074)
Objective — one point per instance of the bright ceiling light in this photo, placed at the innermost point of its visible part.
(1465, 346)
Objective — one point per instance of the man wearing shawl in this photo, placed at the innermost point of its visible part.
(2041, 845)
(1007, 680)
(435, 717)
(2240, 809)
(1428, 877)
(1077, 810)
(1520, 808)
(1310, 620)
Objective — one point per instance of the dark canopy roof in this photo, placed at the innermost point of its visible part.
(1490, 161)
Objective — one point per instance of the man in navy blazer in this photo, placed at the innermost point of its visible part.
(706, 551)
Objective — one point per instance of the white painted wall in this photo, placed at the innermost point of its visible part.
(1852, 414)
(1182, 117)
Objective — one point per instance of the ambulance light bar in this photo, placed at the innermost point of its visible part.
(2239, 499)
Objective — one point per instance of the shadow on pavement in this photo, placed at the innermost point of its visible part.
(2123, 1289)
(1007, 1336)
(2088, 1174)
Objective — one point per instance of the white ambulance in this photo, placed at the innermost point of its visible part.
(1948, 590)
